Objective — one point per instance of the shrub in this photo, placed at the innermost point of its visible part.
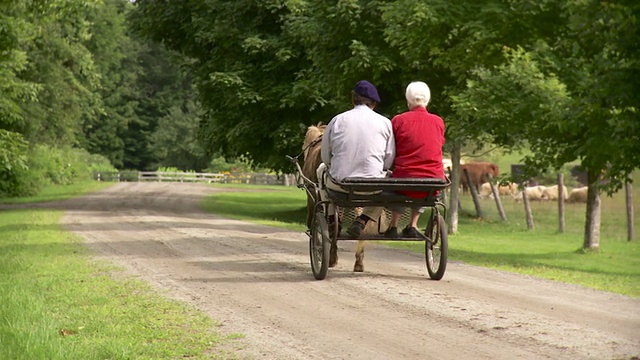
(13, 161)
(46, 165)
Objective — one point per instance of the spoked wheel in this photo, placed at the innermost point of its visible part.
(319, 246)
(436, 247)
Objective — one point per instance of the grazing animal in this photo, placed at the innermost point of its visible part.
(578, 195)
(551, 193)
(533, 193)
(312, 159)
(478, 174)
(485, 190)
(508, 189)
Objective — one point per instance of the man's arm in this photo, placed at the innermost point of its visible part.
(325, 149)
(390, 152)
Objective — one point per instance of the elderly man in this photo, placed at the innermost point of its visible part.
(357, 143)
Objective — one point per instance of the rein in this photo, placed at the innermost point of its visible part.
(311, 144)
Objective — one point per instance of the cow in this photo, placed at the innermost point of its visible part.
(578, 195)
(478, 173)
(533, 193)
(507, 189)
(552, 193)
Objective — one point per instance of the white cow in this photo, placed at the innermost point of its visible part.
(508, 189)
(551, 192)
(504, 190)
(448, 164)
(578, 195)
(485, 191)
(533, 193)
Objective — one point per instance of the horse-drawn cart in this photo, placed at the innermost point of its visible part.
(322, 236)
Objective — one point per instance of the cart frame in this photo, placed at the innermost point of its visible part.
(321, 235)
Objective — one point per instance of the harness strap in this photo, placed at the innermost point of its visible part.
(311, 144)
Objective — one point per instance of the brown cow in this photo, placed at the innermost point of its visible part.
(478, 174)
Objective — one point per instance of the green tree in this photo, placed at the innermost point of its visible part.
(63, 67)
(46, 78)
(114, 55)
(161, 88)
(174, 140)
(244, 71)
(576, 99)
(14, 92)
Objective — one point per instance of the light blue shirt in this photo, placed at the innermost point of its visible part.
(358, 143)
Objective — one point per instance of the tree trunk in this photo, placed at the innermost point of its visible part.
(629, 198)
(456, 152)
(592, 226)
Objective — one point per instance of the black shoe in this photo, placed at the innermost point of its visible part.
(410, 232)
(355, 229)
(391, 233)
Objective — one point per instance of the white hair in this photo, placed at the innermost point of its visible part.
(418, 94)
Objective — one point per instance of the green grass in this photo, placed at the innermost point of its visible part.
(489, 242)
(269, 205)
(56, 303)
(59, 192)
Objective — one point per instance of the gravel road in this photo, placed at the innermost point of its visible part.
(256, 280)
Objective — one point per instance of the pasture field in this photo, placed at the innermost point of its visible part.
(57, 303)
(489, 242)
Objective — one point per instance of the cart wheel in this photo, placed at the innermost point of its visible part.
(436, 247)
(319, 246)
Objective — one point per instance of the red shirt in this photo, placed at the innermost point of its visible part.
(419, 138)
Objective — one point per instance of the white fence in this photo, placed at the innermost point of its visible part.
(222, 178)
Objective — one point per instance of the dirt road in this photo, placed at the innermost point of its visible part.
(256, 280)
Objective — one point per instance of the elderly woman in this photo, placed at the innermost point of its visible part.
(419, 137)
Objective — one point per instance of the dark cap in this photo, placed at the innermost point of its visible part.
(366, 89)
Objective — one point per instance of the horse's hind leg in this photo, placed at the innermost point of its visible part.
(359, 265)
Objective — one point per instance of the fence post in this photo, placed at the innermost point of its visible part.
(496, 196)
(474, 194)
(561, 203)
(527, 208)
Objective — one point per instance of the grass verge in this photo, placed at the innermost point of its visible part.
(57, 303)
(489, 242)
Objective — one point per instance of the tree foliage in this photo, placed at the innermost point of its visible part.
(573, 91)
(552, 76)
(556, 77)
(71, 75)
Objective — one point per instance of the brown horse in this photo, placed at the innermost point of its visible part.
(312, 159)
